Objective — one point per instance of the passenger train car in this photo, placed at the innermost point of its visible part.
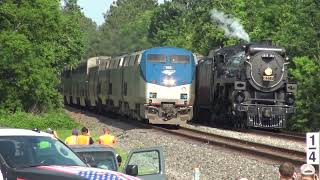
(156, 85)
(246, 86)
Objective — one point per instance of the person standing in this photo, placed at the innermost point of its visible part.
(73, 139)
(308, 172)
(85, 138)
(286, 171)
(107, 138)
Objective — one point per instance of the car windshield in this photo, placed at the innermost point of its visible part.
(28, 151)
(100, 159)
(181, 59)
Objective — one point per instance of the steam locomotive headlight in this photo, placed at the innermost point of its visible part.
(239, 97)
(290, 99)
(248, 57)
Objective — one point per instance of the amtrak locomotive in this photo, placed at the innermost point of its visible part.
(155, 85)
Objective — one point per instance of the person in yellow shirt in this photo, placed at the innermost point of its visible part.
(107, 138)
(85, 138)
(73, 139)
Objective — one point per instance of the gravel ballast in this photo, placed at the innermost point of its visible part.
(268, 140)
(182, 155)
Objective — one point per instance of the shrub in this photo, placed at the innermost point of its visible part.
(55, 120)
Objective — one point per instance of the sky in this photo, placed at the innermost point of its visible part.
(94, 9)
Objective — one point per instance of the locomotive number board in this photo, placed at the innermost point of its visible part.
(268, 78)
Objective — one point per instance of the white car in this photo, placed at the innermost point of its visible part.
(27, 154)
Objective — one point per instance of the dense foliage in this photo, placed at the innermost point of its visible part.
(38, 39)
(126, 27)
(54, 120)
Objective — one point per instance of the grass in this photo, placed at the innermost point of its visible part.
(55, 120)
(124, 156)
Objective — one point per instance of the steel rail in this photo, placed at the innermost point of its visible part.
(257, 149)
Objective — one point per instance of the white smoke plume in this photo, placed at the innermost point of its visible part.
(230, 25)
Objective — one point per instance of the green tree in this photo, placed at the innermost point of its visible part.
(125, 27)
(37, 41)
(307, 74)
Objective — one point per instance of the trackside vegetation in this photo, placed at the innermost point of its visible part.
(55, 120)
(40, 38)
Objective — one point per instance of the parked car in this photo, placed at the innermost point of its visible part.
(29, 155)
(99, 156)
(149, 160)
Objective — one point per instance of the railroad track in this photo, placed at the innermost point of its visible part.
(279, 135)
(286, 135)
(256, 149)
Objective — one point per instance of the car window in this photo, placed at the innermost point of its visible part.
(100, 159)
(31, 151)
(148, 162)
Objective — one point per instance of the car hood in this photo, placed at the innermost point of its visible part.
(70, 172)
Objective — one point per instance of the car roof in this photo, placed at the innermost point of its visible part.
(91, 148)
(22, 132)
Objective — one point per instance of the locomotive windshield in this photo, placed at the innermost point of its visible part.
(180, 59)
(157, 58)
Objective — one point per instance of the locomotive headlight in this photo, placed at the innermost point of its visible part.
(290, 99)
(169, 81)
(268, 71)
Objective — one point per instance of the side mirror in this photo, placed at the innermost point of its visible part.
(132, 170)
(119, 159)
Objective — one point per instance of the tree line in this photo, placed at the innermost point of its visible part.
(38, 39)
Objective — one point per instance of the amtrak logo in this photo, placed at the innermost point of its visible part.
(168, 70)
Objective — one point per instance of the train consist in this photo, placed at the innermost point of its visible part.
(240, 85)
(155, 85)
(245, 86)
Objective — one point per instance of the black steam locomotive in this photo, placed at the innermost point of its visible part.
(245, 86)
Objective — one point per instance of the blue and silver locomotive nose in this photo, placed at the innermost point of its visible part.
(169, 73)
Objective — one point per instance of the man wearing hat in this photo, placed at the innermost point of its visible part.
(73, 139)
(308, 172)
